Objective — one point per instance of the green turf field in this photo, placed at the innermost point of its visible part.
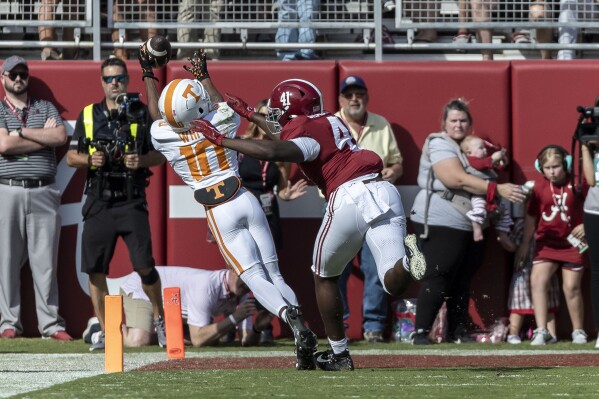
(41, 359)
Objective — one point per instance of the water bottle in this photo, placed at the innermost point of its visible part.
(596, 167)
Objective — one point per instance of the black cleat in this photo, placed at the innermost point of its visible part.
(305, 339)
(329, 361)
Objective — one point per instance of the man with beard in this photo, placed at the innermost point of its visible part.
(30, 129)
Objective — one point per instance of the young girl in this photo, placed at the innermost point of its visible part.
(519, 298)
(555, 212)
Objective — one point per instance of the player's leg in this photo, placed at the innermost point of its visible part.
(260, 231)
(340, 237)
(138, 316)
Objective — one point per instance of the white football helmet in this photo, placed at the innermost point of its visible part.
(182, 101)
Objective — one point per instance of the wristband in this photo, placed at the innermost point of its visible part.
(20, 131)
(232, 319)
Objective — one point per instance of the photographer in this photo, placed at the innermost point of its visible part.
(111, 140)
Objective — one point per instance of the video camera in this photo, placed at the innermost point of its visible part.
(587, 128)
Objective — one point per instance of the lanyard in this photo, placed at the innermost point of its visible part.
(264, 168)
(25, 111)
(559, 204)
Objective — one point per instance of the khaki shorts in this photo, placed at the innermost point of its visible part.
(138, 313)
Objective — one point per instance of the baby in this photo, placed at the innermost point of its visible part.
(475, 149)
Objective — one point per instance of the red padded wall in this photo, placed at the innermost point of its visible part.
(533, 102)
(70, 86)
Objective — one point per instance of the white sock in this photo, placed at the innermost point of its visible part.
(338, 346)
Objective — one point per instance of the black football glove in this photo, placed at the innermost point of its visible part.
(145, 61)
(199, 67)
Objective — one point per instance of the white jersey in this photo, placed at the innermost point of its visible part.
(197, 161)
(204, 293)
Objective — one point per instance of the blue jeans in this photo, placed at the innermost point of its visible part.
(294, 11)
(374, 303)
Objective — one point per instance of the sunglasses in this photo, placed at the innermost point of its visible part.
(13, 75)
(118, 78)
(358, 94)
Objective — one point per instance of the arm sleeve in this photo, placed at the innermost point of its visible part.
(309, 147)
(481, 163)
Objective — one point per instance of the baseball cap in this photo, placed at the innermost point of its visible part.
(352, 80)
(12, 62)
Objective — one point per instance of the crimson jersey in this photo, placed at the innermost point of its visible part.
(558, 210)
(340, 159)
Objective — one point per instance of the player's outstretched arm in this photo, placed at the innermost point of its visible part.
(267, 150)
(199, 69)
(149, 81)
(248, 112)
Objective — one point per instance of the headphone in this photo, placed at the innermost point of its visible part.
(566, 158)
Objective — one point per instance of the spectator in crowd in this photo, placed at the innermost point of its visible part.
(539, 11)
(591, 221)
(71, 10)
(475, 149)
(361, 205)
(554, 212)
(519, 295)
(438, 216)
(30, 129)
(372, 132)
(573, 11)
(481, 12)
(205, 294)
(268, 181)
(117, 177)
(234, 215)
(124, 11)
(304, 12)
(424, 12)
(193, 10)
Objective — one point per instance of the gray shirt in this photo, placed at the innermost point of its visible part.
(591, 202)
(440, 211)
(33, 165)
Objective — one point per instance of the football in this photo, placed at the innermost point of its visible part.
(160, 51)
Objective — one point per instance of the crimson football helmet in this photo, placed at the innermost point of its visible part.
(289, 99)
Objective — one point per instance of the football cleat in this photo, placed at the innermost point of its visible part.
(416, 259)
(305, 339)
(329, 361)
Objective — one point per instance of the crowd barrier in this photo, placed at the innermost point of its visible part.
(520, 105)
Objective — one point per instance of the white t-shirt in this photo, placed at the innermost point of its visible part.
(204, 293)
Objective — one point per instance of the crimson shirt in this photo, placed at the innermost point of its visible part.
(340, 159)
(552, 230)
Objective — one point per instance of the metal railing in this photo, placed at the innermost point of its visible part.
(241, 23)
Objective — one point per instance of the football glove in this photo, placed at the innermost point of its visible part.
(145, 61)
(208, 130)
(240, 106)
(199, 67)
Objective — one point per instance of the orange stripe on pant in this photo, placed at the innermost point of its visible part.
(227, 255)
